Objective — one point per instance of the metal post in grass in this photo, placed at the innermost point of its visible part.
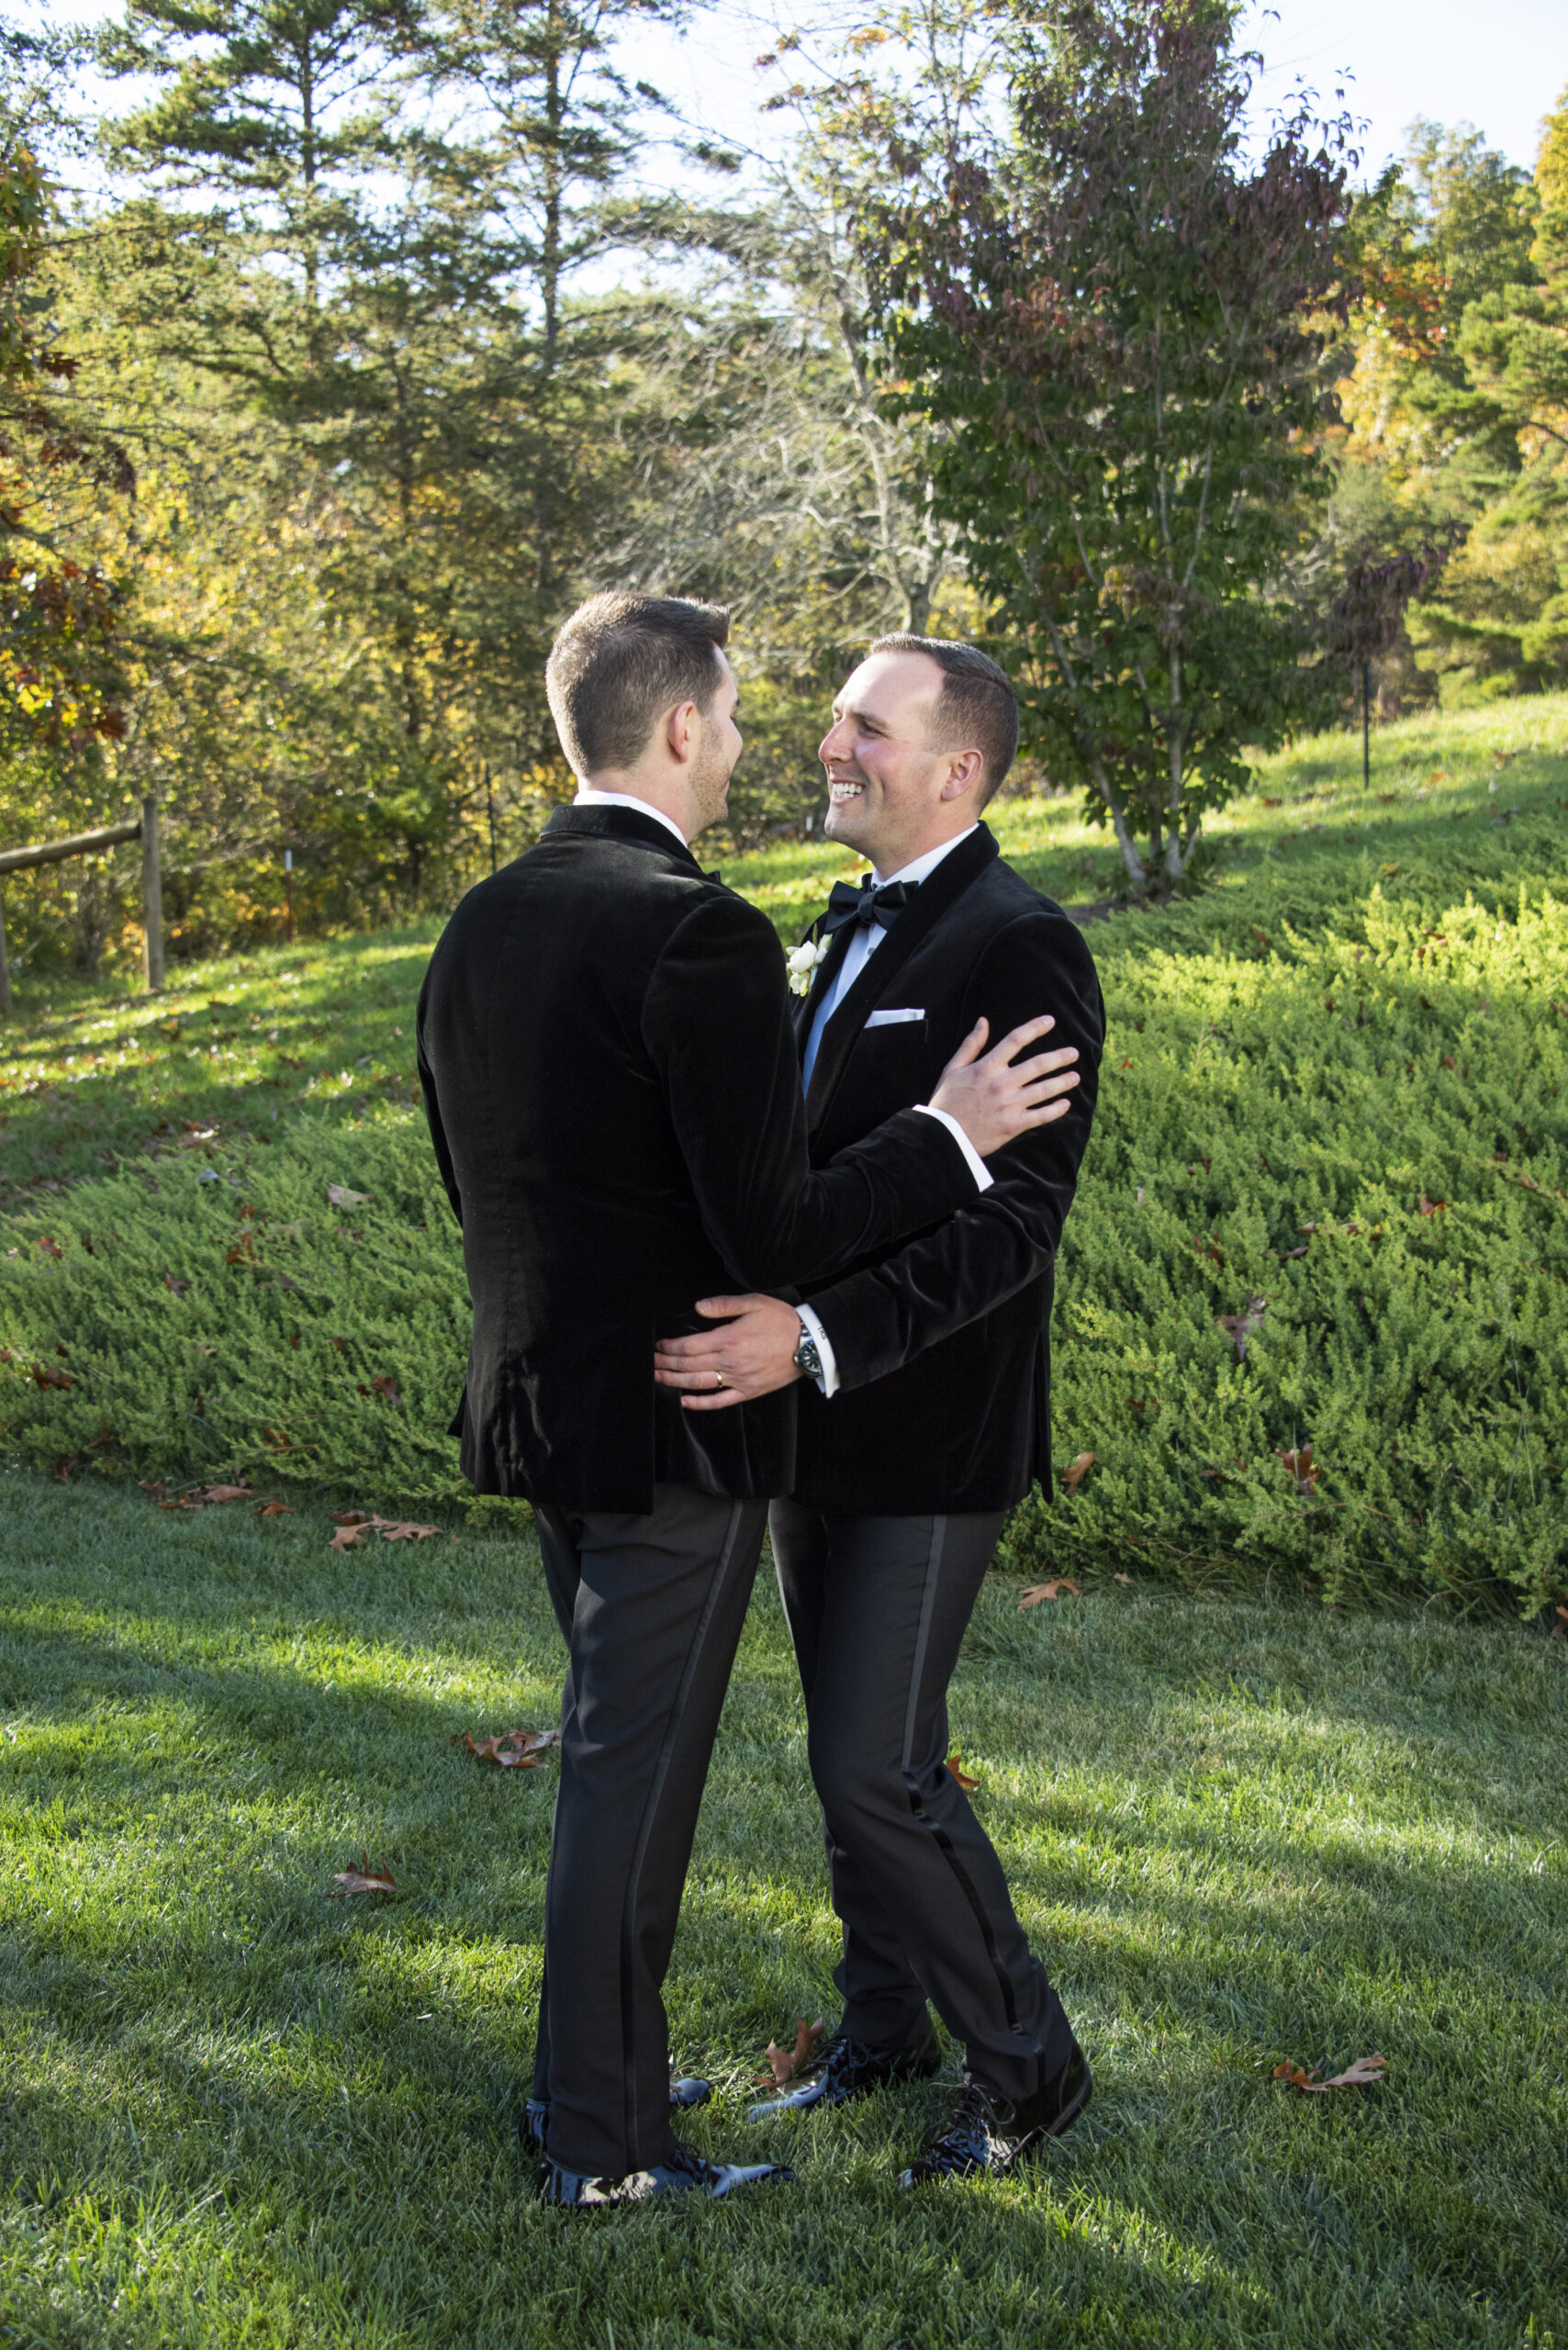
(5, 966)
(151, 899)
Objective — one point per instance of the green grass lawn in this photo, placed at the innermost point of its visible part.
(1243, 1827)
(237, 2111)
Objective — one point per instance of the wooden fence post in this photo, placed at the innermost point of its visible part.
(152, 898)
(5, 966)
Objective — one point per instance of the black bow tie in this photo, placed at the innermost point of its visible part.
(866, 905)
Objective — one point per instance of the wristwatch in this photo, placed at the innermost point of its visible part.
(807, 1360)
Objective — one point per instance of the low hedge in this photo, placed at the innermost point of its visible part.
(1330, 1114)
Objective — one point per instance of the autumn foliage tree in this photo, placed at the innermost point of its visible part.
(56, 612)
(1118, 320)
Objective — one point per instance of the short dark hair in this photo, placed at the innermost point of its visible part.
(976, 701)
(620, 662)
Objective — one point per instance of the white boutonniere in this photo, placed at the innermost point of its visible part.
(802, 963)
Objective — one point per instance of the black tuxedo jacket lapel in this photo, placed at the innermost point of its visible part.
(882, 966)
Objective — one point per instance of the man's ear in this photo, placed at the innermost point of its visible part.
(964, 774)
(681, 729)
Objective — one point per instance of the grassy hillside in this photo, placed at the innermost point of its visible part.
(1334, 1084)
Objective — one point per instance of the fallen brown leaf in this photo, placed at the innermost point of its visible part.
(354, 1525)
(51, 1247)
(1052, 1590)
(1359, 2075)
(1072, 1476)
(173, 1282)
(205, 1493)
(359, 1877)
(1302, 1466)
(1239, 1328)
(1122, 1578)
(387, 1387)
(61, 1472)
(273, 1509)
(783, 2068)
(1562, 1624)
(514, 1749)
(1424, 1206)
(48, 1376)
(956, 1765)
(342, 1197)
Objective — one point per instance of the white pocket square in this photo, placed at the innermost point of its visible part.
(893, 1019)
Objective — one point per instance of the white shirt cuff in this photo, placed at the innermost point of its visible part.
(828, 1383)
(983, 1177)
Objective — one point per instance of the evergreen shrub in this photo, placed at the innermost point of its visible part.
(1334, 1083)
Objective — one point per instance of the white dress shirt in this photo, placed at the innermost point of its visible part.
(868, 937)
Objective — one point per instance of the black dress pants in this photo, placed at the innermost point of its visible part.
(877, 1608)
(651, 1608)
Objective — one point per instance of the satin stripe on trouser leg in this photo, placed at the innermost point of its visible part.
(877, 1608)
(655, 1606)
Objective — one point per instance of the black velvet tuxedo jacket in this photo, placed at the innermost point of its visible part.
(610, 1079)
(943, 1344)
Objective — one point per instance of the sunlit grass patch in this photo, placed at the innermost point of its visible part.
(238, 2111)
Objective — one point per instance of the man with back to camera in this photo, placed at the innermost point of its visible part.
(609, 1071)
(924, 1404)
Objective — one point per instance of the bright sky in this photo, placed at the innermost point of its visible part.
(1499, 66)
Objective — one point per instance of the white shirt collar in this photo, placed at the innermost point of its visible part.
(925, 866)
(588, 797)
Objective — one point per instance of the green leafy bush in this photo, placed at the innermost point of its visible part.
(1333, 1084)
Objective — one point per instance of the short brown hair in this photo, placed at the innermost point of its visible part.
(976, 701)
(619, 663)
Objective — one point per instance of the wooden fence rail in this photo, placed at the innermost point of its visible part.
(144, 828)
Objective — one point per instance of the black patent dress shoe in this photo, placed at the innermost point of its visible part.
(684, 2172)
(988, 2133)
(844, 2068)
(535, 2116)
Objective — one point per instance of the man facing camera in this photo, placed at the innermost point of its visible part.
(925, 1401)
(609, 1075)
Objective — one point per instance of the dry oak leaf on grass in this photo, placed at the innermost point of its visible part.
(273, 1509)
(1052, 1590)
(782, 2067)
(514, 1749)
(354, 1525)
(1072, 1476)
(1359, 2075)
(359, 1877)
(203, 1497)
(956, 1765)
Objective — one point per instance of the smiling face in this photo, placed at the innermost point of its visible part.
(892, 794)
